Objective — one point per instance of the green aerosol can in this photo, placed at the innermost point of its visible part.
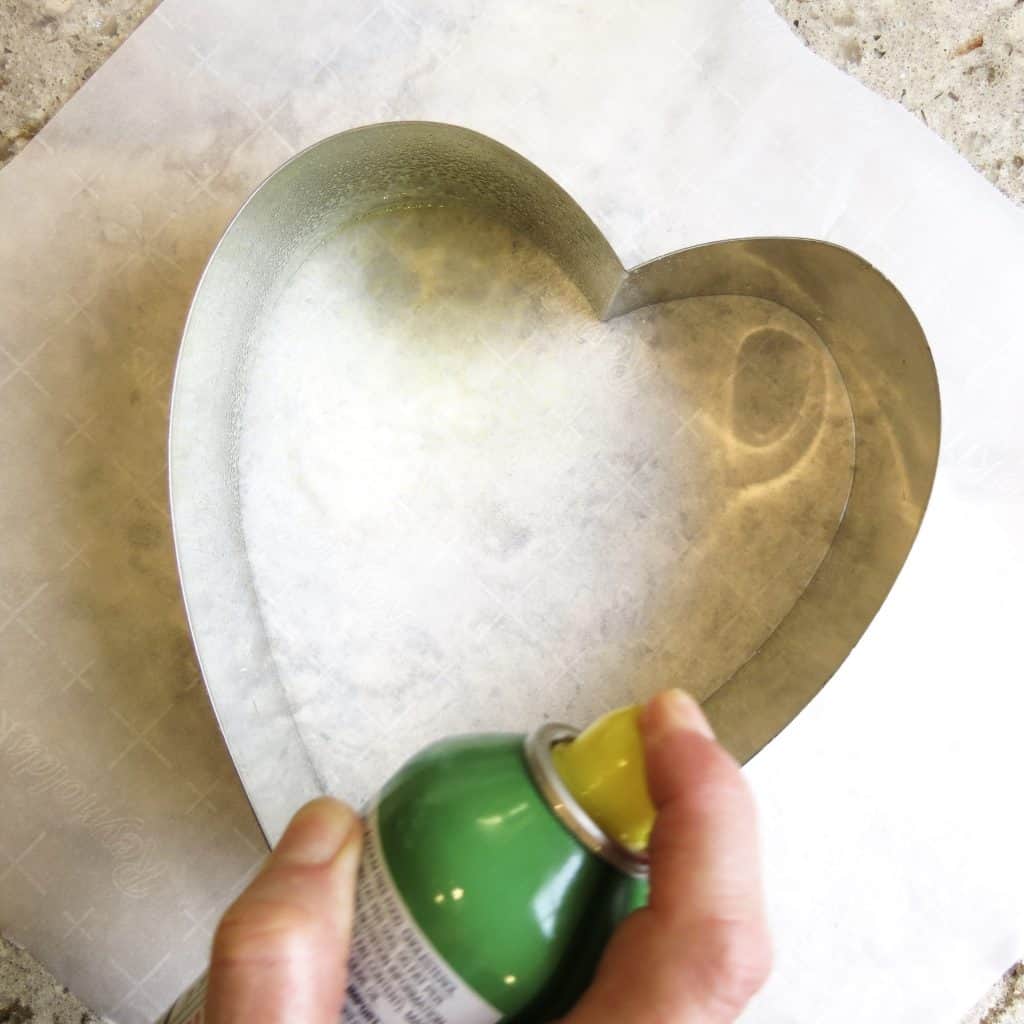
(495, 868)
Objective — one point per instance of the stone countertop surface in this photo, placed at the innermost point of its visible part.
(960, 67)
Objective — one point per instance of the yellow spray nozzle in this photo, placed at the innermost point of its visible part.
(603, 768)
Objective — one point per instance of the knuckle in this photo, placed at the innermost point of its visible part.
(263, 931)
(736, 963)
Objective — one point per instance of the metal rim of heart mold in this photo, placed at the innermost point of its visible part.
(865, 323)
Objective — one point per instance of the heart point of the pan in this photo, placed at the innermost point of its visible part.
(457, 484)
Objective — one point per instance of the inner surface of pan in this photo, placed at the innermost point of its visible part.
(469, 504)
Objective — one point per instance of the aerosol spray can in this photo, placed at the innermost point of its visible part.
(495, 869)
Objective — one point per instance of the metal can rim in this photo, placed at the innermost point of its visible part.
(564, 806)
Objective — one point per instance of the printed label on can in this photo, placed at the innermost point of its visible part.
(395, 974)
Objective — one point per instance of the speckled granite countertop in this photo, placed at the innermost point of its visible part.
(960, 67)
(48, 48)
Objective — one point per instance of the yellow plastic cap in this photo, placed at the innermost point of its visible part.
(603, 768)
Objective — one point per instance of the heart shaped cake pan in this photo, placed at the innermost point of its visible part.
(758, 417)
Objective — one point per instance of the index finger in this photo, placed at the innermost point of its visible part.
(704, 846)
(700, 949)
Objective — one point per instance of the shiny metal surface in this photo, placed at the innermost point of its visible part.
(538, 757)
(869, 331)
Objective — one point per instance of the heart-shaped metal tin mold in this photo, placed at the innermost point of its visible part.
(866, 325)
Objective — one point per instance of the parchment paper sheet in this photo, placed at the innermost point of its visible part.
(890, 808)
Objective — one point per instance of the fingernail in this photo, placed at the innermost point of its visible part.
(317, 834)
(671, 712)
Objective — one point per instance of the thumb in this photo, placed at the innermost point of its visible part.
(281, 949)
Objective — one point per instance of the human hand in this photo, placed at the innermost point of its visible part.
(280, 952)
(700, 950)
(694, 956)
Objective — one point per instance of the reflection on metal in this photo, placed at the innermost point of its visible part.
(869, 331)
